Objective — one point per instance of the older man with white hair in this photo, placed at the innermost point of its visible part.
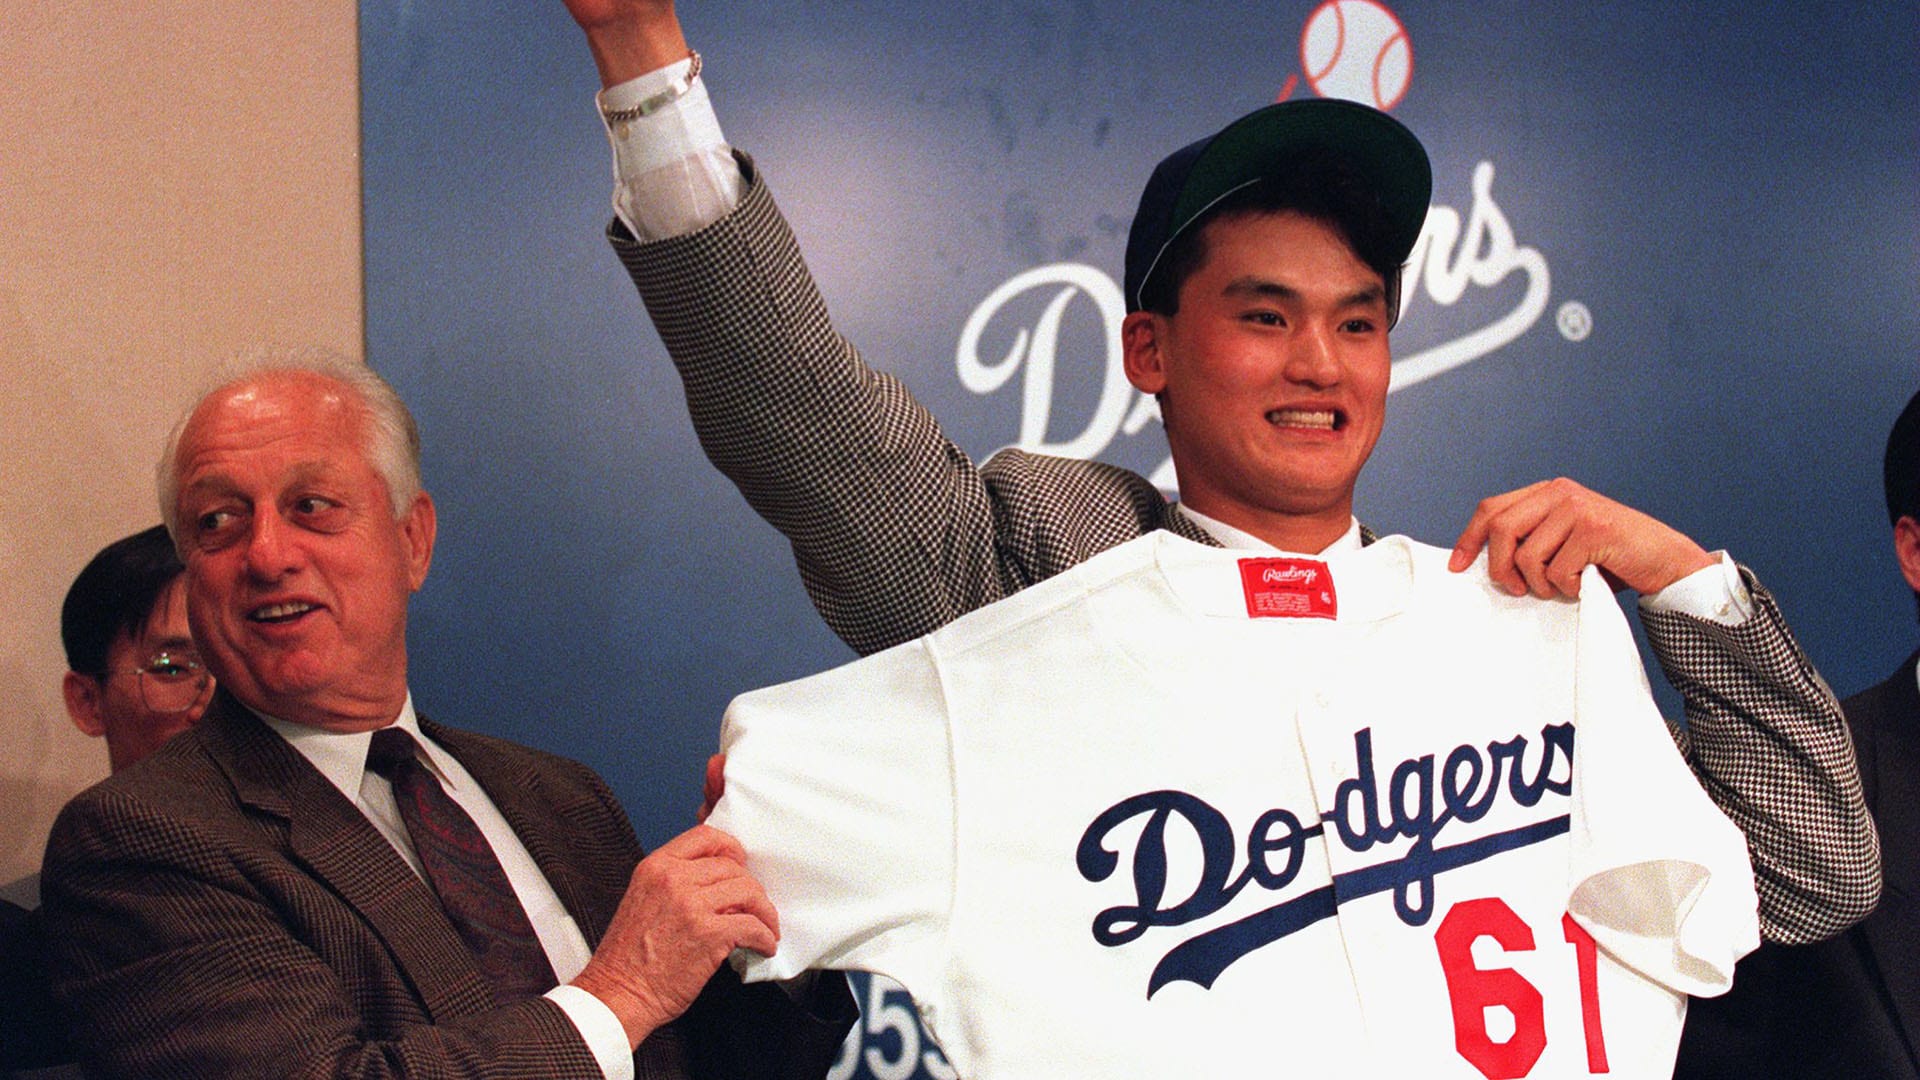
(318, 881)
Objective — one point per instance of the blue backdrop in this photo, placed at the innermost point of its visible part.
(1674, 255)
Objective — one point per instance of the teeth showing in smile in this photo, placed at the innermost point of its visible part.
(1307, 418)
(277, 612)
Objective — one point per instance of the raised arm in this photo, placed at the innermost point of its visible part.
(894, 530)
(892, 526)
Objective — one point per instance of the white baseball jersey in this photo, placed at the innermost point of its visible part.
(1178, 812)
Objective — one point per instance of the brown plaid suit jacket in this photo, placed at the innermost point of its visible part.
(896, 533)
(221, 910)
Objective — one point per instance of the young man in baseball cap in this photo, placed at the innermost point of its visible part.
(1262, 277)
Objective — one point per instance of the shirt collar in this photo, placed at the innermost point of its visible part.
(341, 757)
(1371, 582)
(1241, 540)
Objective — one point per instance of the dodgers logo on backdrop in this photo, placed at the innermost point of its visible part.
(1353, 49)
(1416, 802)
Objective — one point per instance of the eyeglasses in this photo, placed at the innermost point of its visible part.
(171, 682)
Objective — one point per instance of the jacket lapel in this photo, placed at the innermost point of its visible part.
(1890, 763)
(520, 792)
(333, 841)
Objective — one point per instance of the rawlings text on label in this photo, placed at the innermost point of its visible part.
(1288, 589)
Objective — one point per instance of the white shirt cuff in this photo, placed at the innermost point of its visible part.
(1712, 592)
(602, 1030)
(673, 172)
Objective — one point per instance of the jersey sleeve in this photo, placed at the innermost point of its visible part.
(840, 788)
(1661, 877)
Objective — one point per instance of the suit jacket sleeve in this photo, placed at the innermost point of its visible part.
(895, 531)
(732, 1031)
(584, 843)
(174, 961)
(1766, 738)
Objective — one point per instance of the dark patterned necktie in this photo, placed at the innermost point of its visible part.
(464, 872)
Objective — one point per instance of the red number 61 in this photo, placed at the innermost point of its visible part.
(1472, 990)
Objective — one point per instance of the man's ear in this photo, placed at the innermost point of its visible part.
(1142, 336)
(1906, 548)
(82, 693)
(417, 526)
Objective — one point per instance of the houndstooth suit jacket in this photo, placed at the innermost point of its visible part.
(221, 910)
(896, 532)
(1849, 1007)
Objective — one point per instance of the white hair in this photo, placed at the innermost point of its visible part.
(392, 438)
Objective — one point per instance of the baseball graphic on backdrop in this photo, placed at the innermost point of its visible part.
(1357, 50)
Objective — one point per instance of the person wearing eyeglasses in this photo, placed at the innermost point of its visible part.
(133, 675)
(135, 680)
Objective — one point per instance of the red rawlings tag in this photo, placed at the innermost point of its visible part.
(1288, 589)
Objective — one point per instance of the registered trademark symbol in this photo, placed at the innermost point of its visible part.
(1574, 320)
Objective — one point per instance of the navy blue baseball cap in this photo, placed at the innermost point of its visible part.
(1194, 178)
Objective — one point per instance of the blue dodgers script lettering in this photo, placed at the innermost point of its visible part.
(1464, 788)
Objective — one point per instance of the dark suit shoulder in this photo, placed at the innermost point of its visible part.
(181, 781)
(1884, 720)
(1897, 695)
(561, 810)
(1870, 707)
(495, 760)
(464, 740)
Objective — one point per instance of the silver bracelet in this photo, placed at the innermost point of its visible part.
(660, 100)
